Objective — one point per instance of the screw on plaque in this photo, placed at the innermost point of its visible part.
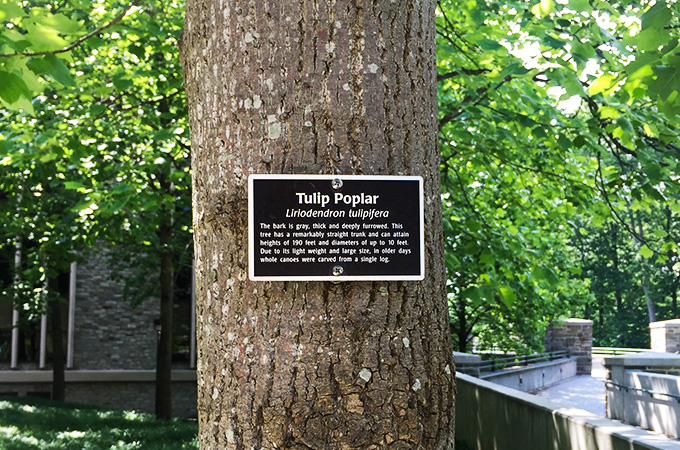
(338, 270)
(336, 183)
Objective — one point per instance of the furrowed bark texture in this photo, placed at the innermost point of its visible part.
(307, 87)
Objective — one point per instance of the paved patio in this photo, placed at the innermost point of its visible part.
(584, 392)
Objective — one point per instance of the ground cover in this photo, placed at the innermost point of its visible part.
(30, 423)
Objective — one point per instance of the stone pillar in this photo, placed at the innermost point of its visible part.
(665, 336)
(467, 363)
(575, 335)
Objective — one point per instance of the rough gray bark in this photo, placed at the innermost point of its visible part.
(328, 87)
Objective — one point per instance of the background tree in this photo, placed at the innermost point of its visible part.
(106, 140)
(552, 114)
(333, 88)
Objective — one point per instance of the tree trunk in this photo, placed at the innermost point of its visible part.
(57, 337)
(329, 87)
(651, 307)
(167, 288)
(618, 294)
(164, 356)
(462, 330)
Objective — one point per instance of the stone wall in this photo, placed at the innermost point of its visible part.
(492, 417)
(665, 336)
(575, 335)
(109, 332)
(643, 390)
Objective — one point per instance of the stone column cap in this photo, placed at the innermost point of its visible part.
(665, 323)
(579, 321)
(644, 359)
(466, 358)
(572, 321)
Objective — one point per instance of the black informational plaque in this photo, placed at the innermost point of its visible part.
(335, 228)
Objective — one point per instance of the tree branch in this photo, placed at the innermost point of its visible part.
(78, 41)
(460, 72)
(603, 191)
(482, 95)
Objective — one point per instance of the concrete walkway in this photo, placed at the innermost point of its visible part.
(584, 392)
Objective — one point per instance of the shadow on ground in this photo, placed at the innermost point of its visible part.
(30, 424)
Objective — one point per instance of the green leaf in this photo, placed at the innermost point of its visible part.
(10, 10)
(660, 233)
(487, 258)
(121, 82)
(451, 261)
(52, 66)
(60, 23)
(490, 44)
(543, 8)
(42, 37)
(646, 252)
(137, 50)
(601, 84)
(552, 277)
(538, 273)
(515, 68)
(97, 109)
(47, 157)
(657, 17)
(607, 112)
(74, 185)
(474, 294)
(653, 171)
(13, 87)
(580, 5)
(553, 42)
(59, 70)
(508, 296)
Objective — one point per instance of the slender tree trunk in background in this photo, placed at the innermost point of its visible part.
(618, 294)
(327, 87)
(164, 361)
(57, 338)
(651, 307)
(167, 288)
(462, 330)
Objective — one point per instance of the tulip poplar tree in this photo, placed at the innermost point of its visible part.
(329, 87)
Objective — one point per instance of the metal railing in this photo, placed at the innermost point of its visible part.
(494, 364)
(649, 392)
(613, 351)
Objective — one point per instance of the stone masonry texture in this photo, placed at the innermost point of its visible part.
(575, 335)
(109, 332)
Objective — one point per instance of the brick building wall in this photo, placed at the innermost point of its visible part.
(109, 332)
(114, 351)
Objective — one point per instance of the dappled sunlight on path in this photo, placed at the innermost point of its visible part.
(584, 391)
